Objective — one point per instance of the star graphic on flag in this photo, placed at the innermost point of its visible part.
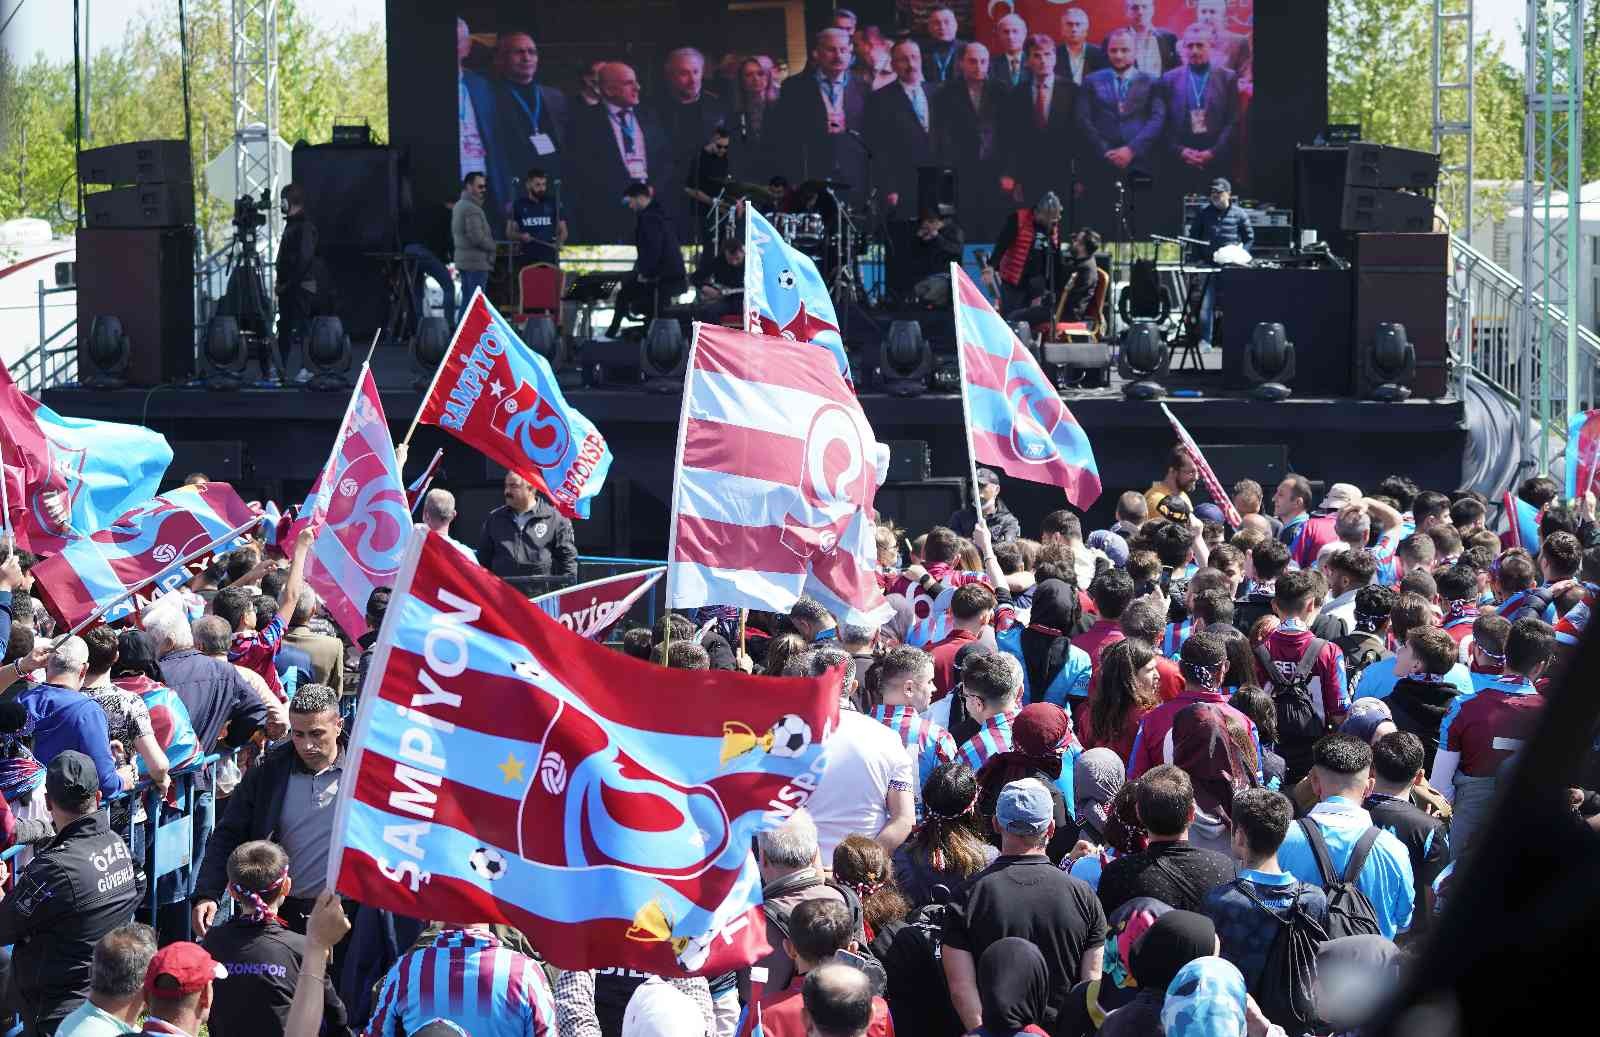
(498, 389)
(511, 768)
(802, 327)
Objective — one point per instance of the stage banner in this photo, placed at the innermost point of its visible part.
(64, 478)
(505, 769)
(498, 396)
(1017, 420)
(777, 470)
(592, 609)
(135, 560)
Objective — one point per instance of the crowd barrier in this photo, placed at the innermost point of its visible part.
(166, 841)
(647, 608)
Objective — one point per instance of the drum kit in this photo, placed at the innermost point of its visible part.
(823, 229)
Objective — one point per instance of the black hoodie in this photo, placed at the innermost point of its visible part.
(1419, 707)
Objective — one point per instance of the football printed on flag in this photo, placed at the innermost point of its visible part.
(1019, 423)
(784, 295)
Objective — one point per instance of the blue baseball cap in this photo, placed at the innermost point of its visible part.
(1024, 807)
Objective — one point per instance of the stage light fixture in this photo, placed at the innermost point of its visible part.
(1388, 364)
(108, 352)
(225, 354)
(328, 355)
(663, 355)
(1144, 357)
(1269, 363)
(905, 361)
(429, 344)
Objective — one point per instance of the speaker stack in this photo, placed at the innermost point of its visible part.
(1388, 190)
(136, 256)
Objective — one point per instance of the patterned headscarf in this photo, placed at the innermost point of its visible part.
(258, 904)
(1096, 777)
(1205, 999)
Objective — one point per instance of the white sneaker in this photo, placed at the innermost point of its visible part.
(303, 377)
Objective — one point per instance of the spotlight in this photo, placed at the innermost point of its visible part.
(663, 356)
(1144, 356)
(1388, 365)
(428, 348)
(328, 355)
(905, 361)
(108, 352)
(1269, 363)
(225, 354)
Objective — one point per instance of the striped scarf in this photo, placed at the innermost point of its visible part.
(993, 737)
(20, 772)
(1174, 636)
(1460, 610)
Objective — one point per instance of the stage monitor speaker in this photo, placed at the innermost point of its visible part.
(1379, 165)
(613, 363)
(922, 504)
(910, 460)
(1319, 196)
(1404, 279)
(1266, 463)
(136, 162)
(1314, 308)
(145, 278)
(352, 195)
(936, 185)
(163, 204)
(1369, 210)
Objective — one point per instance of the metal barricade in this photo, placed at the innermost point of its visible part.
(647, 608)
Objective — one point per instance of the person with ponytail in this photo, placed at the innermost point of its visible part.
(262, 955)
(943, 854)
(861, 864)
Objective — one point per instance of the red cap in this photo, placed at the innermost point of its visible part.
(179, 969)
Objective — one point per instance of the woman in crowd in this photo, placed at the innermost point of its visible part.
(1176, 939)
(1124, 834)
(1203, 746)
(1241, 663)
(1207, 998)
(1129, 682)
(1054, 670)
(1257, 705)
(1040, 737)
(861, 864)
(937, 862)
(1014, 988)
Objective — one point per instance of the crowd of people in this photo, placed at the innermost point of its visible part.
(1061, 105)
(1165, 778)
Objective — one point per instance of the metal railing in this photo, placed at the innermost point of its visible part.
(1486, 329)
(54, 361)
(647, 608)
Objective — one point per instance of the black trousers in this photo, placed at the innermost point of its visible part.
(647, 298)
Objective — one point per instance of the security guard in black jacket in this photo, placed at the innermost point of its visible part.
(78, 888)
(528, 543)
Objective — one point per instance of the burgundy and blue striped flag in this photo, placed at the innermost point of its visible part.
(784, 296)
(1522, 520)
(1583, 453)
(419, 486)
(153, 549)
(507, 770)
(361, 500)
(1019, 423)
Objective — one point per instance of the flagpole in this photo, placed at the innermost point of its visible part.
(372, 348)
(180, 563)
(966, 404)
(5, 497)
(677, 466)
(416, 419)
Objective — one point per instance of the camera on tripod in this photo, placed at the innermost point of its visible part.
(249, 216)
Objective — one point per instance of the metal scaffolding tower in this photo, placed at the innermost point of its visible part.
(255, 112)
(1551, 195)
(1453, 75)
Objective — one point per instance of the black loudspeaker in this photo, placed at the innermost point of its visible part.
(353, 196)
(1314, 308)
(136, 162)
(1266, 463)
(936, 185)
(1375, 209)
(144, 278)
(1404, 279)
(1378, 165)
(910, 460)
(900, 261)
(221, 460)
(613, 363)
(923, 504)
(1319, 196)
(163, 204)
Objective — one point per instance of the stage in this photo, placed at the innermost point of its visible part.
(272, 442)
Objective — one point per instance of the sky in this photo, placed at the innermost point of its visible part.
(46, 25)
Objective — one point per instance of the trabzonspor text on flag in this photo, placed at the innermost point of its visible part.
(784, 296)
(776, 475)
(499, 396)
(361, 504)
(127, 556)
(67, 477)
(505, 769)
(1019, 422)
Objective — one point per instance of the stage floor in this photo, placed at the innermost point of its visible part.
(272, 442)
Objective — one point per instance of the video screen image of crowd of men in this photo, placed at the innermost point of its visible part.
(1119, 107)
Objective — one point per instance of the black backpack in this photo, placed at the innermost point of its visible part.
(1350, 913)
(1300, 719)
(1361, 649)
(1287, 991)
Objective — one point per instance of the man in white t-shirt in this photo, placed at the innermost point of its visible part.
(867, 788)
